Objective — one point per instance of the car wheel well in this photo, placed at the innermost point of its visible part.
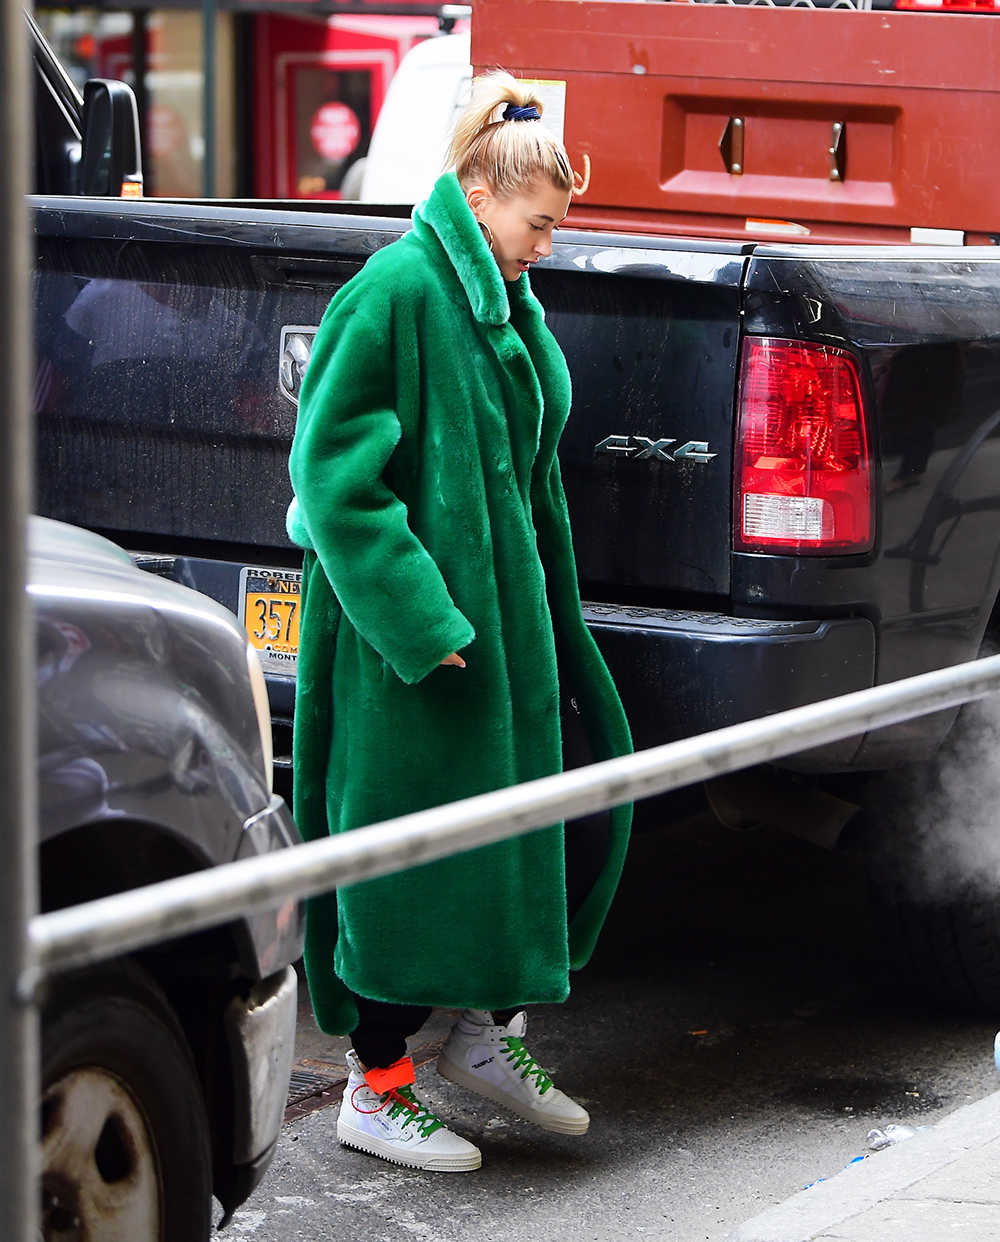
(109, 856)
(199, 974)
(112, 856)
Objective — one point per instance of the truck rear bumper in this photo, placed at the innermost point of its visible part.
(679, 673)
(682, 673)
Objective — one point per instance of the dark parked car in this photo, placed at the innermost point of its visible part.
(164, 1074)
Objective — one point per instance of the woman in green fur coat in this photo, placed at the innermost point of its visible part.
(443, 650)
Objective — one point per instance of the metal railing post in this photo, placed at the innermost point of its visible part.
(19, 1194)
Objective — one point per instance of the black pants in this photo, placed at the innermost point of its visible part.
(382, 1030)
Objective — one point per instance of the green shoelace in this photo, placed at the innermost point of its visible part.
(519, 1057)
(425, 1121)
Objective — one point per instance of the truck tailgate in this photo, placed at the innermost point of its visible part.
(161, 332)
(163, 416)
(651, 335)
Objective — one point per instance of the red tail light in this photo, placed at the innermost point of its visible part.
(803, 476)
(951, 6)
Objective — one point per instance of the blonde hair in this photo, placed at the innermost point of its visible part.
(507, 155)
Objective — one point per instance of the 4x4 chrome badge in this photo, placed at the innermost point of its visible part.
(638, 447)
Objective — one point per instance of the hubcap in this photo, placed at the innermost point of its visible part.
(100, 1180)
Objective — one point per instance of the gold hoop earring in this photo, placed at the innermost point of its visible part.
(487, 233)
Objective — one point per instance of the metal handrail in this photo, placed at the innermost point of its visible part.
(119, 924)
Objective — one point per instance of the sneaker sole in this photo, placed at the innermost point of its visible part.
(440, 1163)
(557, 1125)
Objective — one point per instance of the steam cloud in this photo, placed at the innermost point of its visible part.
(942, 817)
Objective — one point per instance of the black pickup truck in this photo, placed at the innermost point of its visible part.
(782, 464)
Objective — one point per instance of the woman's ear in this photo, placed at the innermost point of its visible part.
(477, 196)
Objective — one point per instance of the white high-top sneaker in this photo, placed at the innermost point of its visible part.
(397, 1127)
(493, 1061)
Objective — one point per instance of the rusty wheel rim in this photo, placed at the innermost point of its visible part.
(100, 1174)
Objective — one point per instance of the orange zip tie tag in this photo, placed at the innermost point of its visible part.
(399, 1074)
(386, 1082)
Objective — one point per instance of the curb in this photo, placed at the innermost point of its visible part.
(862, 1186)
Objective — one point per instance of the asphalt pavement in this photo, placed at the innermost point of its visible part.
(735, 1037)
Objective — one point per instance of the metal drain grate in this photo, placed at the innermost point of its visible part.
(305, 1083)
(313, 1085)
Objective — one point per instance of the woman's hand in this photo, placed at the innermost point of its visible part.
(455, 659)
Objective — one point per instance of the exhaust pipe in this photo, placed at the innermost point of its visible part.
(759, 796)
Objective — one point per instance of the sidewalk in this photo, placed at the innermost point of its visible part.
(941, 1184)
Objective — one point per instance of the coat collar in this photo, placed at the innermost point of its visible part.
(448, 216)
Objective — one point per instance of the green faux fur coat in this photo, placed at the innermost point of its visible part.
(429, 498)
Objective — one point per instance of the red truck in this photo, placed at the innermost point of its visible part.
(753, 121)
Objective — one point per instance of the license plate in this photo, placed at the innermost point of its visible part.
(269, 609)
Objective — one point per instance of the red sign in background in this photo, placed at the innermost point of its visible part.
(335, 131)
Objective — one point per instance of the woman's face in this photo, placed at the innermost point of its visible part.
(521, 226)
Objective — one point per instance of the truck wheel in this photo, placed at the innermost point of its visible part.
(934, 867)
(125, 1146)
(949, 953)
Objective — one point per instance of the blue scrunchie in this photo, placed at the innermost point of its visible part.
(513, 113)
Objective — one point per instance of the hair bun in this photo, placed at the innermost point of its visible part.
(507, 158)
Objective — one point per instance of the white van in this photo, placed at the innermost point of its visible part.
(407, 151)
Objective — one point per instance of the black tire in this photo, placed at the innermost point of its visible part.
(125, 1140)
(948, 953)
(934, 868)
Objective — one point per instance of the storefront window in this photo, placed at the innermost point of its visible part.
(332, 122)
(174, 135)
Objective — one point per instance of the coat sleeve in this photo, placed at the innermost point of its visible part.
(388, 585)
